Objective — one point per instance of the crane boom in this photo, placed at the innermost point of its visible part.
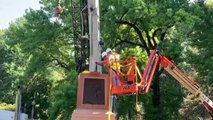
(183, 79)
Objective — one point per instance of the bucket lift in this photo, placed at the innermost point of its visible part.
(141, 84)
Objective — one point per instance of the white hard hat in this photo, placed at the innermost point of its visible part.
(103, 54)
(108, 50)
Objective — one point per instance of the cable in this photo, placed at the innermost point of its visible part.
(110, 89)
(82, 20)
(136, 101)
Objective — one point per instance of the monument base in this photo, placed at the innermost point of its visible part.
(91, 114)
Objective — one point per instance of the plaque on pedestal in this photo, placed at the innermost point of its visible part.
(93, 97)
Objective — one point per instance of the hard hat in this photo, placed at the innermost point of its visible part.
(108, 50)
(103, 54)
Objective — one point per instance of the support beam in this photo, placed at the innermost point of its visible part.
(94, 34)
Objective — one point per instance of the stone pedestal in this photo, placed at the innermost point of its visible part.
(93, 97)
(91, 114)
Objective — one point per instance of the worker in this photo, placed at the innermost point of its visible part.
(114, 58)
(105, 61)
(113, 55)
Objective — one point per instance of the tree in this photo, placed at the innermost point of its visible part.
(63, 98)
(148, 24)
(202, 40)
(41, 57)
(6, 80)
(199, 54)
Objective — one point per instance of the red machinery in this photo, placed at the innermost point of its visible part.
(132, 82)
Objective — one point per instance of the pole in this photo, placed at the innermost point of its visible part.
(32, 111)
(18, 104)
(94, 32)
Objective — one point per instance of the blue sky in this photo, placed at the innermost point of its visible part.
(12, 9)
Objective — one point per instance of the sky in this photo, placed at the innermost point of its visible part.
(12, 9)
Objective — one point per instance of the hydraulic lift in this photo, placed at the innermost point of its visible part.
(137, 83)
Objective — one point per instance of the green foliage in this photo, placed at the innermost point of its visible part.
(199, 53)
(149, 24)
(40, 58)
(37, 89)
(201, 50)
(171, 98)
(138, 54)
(127, 102)
(151, 19)
(63, 98)
(5, 106)
(5, 79)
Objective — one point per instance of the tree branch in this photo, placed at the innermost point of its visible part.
(154, 35)
(60, 63)
(138, 31)
(164, 33)
(126, 41)
(123, 14)
(149, 40)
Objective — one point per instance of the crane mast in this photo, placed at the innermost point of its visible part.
(80, 25)
(94, 34)
(87, 47)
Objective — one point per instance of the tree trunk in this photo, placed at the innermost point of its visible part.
(156, 89)
(129, 114)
